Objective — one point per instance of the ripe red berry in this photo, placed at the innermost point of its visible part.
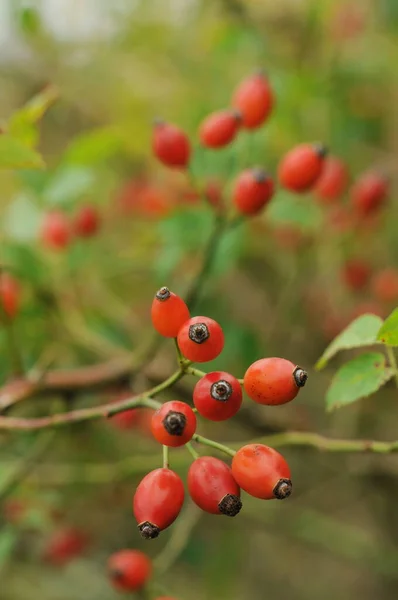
(300, 168)
(369, 193)
(169, 312)
(217, 396)
(55, 230)
(262, 472)
(173, 424)
(87, 221)
(356, 273)
(253, 190)
(254, 98)
(170, 145)
(213, 488)
(157, 502)
(64, 545)
(200, 339)
(333, 180)
(385, 285)
(129, 570)
(273, 381)
(219, 128)
(9, 294)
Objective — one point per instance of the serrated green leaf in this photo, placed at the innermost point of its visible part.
(388, 333)
(68, 184)
(361, 332)
(93, 147)
(15, 155)
(357, 379)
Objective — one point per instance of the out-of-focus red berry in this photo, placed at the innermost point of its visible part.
(65, 545)
(87, 221)
(254, 99)
(333, 180)
(385, 285)
(56, 230)
(170, 145)
(369, 193)
(356, 273)
(9, 294)
(301, 167)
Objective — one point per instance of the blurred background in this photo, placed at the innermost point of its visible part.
(281, 284)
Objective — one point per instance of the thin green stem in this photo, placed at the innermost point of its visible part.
(165, 457)
(195, 372)
(192, 450)
(180, 357)
(393, 362)
(212, 444)
(240, 381)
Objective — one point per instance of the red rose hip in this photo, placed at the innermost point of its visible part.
(369, 193)
(129, 570)
(254, 99)
(9, 294)
(200, 339)
(219, 128)
(301, 167)
(253, 190)
(173, 424)
(87, 221)
(273, 381)
(213, 488)
(217, 396)
(55, 230)
(157, 501)
(168, 312)
(170, 145)
(262, 472)
(333, 180)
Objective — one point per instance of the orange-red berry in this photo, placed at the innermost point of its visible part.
(219, 129)
(129, 570)
(273, 381)
(157, 502)
(217, 396)
(254, 99)
(9, 294)
(173, 424)
(64, 545)
(56, 230)
(213, 488)
(262, 472)
(385, 285)
(87, 221)
(201, 339)
(356, 273)
(170, 145)
(253, 190)
(332, 181)
(169, 312)
(369, 193)
(301, 167)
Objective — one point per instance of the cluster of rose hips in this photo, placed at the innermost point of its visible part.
(57, 230)
(213, 485)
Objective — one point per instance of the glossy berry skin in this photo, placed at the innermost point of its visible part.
(157, 502)
(65, 545)
(173, 424)
(254, 99)
(385, 285)
(129, 570)
(301, 167)
(9, 294)
(219, 128)
(168, 312)
(170, 145)
(369, 193)
(273, 381)
(262, 472)
(56, 230)
(253, 190)
(213, 488)
(87, 221)
(217, 396)
(355, 274)
(200, 339)
(332, 182)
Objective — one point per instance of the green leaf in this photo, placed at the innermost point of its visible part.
(93, 147)
(357, 379)
(288, 209)
(22, 123)
(15, 155)
(8, 540)
(361, 332)
(22, 219)
(68, 184)
(388, 333)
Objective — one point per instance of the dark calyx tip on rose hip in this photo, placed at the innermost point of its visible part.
(148, 530)
(237, 114)
(230, 505)
(260, 72)
(283, 489)
(174, 422)
(163, 293)
(198, 333)
(321, 150)
(300, 376)
(158, 121)
(259, 175)
(115, 574)
(221, 390)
